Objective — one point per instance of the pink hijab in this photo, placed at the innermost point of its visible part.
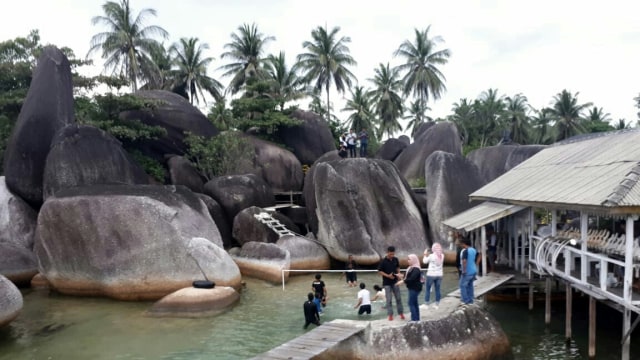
(437, 250)
(413, 261)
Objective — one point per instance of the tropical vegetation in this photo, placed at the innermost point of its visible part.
(263, 89)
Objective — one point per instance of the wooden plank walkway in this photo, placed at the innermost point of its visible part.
(484, 284)
(313, 343)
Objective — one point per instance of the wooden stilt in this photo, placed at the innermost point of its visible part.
(569, 310)
(547, 301)
(592, 327)
(626, 327)
(530, 296)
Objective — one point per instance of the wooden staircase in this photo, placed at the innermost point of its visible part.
(273, 224)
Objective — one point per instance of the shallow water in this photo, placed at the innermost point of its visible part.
(61, 327)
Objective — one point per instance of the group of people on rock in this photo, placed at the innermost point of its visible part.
(392, 279)
(349, 141)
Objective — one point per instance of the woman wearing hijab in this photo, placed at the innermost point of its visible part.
(412, 280)
(434, 262)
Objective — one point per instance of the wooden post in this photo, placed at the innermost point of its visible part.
(530, 296)
(547, 301)
(569, 311)
(592, 327)
(483, 247)
(626, 327)
(584, 227)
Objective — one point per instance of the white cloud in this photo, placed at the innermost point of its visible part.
(537, 48)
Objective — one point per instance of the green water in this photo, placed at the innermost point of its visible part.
(60, 327)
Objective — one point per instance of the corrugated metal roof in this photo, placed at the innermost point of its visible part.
(602, 171)
(481, 215)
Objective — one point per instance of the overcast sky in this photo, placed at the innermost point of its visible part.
(537, 48)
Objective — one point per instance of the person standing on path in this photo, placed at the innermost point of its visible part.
(468, 271)
(412, 280)
(389, 269)
(434, 262)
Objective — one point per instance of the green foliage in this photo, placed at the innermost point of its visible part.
(103, 112)
(257, 109)
(417, 183)
(226, 153)
(150, 166)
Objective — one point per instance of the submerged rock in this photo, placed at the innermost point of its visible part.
(195, 303)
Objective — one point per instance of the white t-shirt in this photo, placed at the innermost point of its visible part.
(380, 295)
(366, 297)
(434, 265)
(351, 139)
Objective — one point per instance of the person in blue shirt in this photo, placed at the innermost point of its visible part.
(468, 271)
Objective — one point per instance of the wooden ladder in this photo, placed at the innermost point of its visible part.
(273, 224)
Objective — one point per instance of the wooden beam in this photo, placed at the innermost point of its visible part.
(592, 327)
(547, 300)
(569, 309)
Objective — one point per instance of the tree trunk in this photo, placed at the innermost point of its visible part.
(328, 107)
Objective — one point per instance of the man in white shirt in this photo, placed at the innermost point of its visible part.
(364, 301)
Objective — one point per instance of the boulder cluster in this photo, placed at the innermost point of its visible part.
(78, 215)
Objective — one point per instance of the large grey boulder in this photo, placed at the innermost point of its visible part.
(493, 161)
(182, 172)
(17, 230)
(47, 108)
(237, 192)
(390, 149)
(220, 218)
(176, 115)
(308, 190)
(195, 303)
(10, 301)
(442, 136)
(279, 167)
(83, 155)
(264, 261)
(247, 228)
(306, 253)
(362, 206)
(450, 180)
(309, 140)
(129, 242)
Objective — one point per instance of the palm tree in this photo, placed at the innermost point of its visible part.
(285, 82)
(423, 78)
(567, 114)
(516, 117)
(326, 61)
(542, 132)
(191, 72)
(489, 109)
(465, 119)
(622, 124)
(245, 50)
(360, 105)
(128, 43)
(388, 103)
(417, 113)
(221, 116)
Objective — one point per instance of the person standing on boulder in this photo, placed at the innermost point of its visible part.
(351, 143)
(364, 141)
(389, 269)
(311, 315)
(468, 271)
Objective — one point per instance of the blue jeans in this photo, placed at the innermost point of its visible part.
(393, 291)
(466, 288)
(435, 281)
(413, 305)
(317, 302)
(363, 149)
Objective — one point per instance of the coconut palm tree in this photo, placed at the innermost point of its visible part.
(417, 114)
(567, 114)
(326, 62)
(598, 121)
(622, 124)
(489, 109)
(245, 51)
(127, 44)
(360, 105)
(516, 118)
(388, 103)
(465, 119)
(423, 79)
(285, 81)
(542, 132)
(191, 70)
